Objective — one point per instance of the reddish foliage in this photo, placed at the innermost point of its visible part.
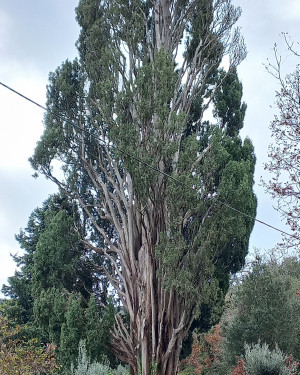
(194, 358)
(239, 368)
(205, 353)
(211, 346)
(291, 364)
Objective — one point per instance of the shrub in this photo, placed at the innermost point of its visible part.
(205, 354)
(260, 360)
(85, 367)
(22, 356)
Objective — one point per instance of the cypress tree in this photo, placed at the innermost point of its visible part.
(71, 332)
(169, 244)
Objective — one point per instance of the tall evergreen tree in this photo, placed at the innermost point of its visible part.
(71, 332)
(132, 101)
(54, 265)
(20, 285)
(53, 256)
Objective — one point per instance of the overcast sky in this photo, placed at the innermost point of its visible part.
(36, 36)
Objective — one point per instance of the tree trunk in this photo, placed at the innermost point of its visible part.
(159, 319)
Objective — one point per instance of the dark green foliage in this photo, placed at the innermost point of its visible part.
(49, 313)
(54, 266)
(93, 329)
(267, 309)
(228, 172)
(57, 316)
(228, 106)
(19, 289)
(71, 331)
(98, 327)
(20, 286)
(56, 255)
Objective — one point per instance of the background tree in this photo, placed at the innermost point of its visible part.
(265, 308)
(284, 164)
(19, 288)
(98, 327)
(129, 102)
(54, 266)
(55, 218)
(71, 331)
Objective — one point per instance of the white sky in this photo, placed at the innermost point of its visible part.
(37, 36)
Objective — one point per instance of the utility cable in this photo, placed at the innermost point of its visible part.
(148, 165)
(71, 123)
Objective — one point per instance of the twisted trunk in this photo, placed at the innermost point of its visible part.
(159, 319)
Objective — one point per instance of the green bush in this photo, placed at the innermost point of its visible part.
(265, 307)
(260, 360)
(85, 367)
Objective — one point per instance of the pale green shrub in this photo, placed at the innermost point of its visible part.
(85, 367)
(261, 360)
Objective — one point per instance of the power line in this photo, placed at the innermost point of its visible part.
(71, 123)
(23, 96)
(148, 165)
